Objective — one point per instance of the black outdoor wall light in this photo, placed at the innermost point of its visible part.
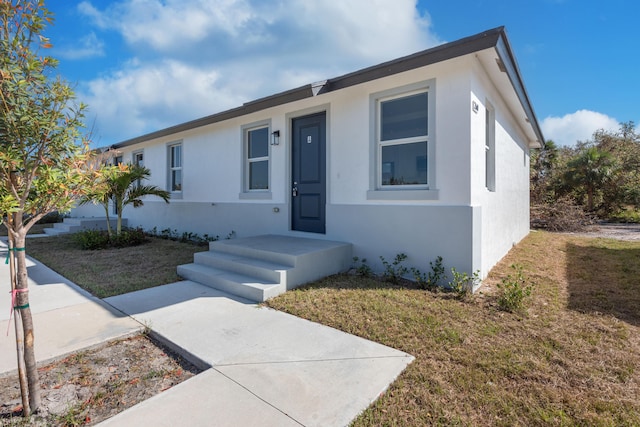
(275, 137)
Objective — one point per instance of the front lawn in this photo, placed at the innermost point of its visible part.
(572, 359)
(109, 272)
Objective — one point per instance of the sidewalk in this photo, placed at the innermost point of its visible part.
(66, 318)
(265, 368)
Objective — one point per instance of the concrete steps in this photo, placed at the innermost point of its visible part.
(73, 225)
(261, 267)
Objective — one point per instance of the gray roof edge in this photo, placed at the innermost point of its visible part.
(495, 37)
(505, 53)
(246, 108)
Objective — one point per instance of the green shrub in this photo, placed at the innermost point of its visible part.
(187, 236)
(462, 284)
(51, 218)
(514, 290)
(394, 271)
(363, 269)
(92, 239)
(129, 237)
(431, 280)
(99, 239)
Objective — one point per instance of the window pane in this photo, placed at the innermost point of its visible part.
(258, 143)
(404, 117)
(259, 175)
(176, 156)
(176, 180)
(404, 164)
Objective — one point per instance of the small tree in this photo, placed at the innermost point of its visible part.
(41, 162)
(121, 184)
(590, 171)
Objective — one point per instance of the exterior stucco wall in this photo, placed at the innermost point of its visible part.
(505, 219)
(466, 225)
(421, 232)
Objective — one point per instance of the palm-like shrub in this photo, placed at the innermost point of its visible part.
(121, 184)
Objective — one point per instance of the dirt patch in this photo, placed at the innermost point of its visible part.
(91, 386)
(630, 232)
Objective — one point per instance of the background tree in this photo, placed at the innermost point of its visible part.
(600, 177)
(588, 173)
(41, 160)
(543, 167)
(122, 185)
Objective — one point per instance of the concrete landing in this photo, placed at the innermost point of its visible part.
(268, 368)
(261, 267)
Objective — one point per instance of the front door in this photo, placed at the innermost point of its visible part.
(308, 189)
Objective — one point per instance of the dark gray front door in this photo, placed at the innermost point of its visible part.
(308, 189)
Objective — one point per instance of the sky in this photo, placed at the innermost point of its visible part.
(144, 65)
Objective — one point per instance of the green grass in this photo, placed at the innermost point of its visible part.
(116, 271)
(571, 359)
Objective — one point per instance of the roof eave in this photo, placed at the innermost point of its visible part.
(510, 64)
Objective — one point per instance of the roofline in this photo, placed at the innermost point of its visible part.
(492, 38)
(503, 48)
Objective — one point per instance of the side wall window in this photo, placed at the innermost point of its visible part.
(402, 138)
(175, 167)
(490, 148)
(138, 158)
(256, 141)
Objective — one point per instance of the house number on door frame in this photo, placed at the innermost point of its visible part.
(309, 139)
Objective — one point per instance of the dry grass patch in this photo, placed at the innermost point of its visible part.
(572, 359)
(109, 272)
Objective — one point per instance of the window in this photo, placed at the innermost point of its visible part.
(402, 139)
(490, 148)
(175, 168)
(138, 158)
(257, 159)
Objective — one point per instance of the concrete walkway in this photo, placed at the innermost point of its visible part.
(66, 318)
(265, 368)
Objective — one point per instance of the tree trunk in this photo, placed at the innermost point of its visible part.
(24, 311)
(17, 322)
(106, 211)
(119, 222)
(590, 196)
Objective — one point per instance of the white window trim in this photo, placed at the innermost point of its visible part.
(170, 145)
(255, 194)
(402, 192)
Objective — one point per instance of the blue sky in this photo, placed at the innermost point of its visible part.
(143, 65)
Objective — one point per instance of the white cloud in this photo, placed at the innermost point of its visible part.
(198, 57)
(89, 46)
(578, 126)
(142, 98)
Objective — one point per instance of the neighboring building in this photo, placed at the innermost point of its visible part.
(426, 155)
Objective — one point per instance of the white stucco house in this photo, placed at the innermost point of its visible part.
(427, 155)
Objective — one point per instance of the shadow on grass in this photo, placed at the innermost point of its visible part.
(604, 277)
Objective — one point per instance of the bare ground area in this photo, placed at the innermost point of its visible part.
(91, 386)
(629, 232)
